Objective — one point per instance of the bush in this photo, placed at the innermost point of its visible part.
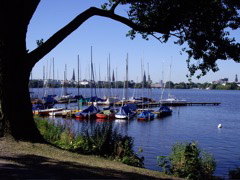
(50, 131)
(105, 140)
(99, 139)
(187, 161)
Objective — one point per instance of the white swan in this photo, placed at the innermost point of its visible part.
(220, 126)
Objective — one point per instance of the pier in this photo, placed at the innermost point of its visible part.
(156, 104)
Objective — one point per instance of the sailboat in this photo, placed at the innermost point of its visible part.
(125, 111)
(146, 114)
(89, 112)
(171, 99)
(65, 96)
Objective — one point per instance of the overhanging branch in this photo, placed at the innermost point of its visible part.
(59, 36)
(115, 5)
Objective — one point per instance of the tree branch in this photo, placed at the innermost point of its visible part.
(29, 8)
(115, 5)
(59, 36)
(158, 38)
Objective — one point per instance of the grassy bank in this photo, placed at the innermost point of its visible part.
(27, 160)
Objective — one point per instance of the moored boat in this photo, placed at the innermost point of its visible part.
(125, 112)
(89, 112)
(105, 114)
(146, 115)
(172, 99)
(46, 111)
(164, 111)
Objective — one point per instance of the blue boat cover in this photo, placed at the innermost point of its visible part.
(125, 110)
(38, 106)
(165, 109)
(133, 107)
(50, 99)
(146, 115)
(89, 110)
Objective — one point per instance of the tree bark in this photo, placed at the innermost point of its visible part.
(16, 117)
(15, 106)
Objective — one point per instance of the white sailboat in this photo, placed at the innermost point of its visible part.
(171, 99)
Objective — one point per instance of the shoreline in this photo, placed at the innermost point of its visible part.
(32, 160)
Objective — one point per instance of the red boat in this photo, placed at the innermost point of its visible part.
(106, 114)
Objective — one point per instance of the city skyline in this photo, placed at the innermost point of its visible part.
(109, 37)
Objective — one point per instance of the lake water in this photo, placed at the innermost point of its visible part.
(187, 123)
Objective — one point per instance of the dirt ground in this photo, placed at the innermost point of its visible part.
(22, 160)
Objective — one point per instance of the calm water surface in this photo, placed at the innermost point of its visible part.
(187, 123)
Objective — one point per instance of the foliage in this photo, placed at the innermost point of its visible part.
(169, 84)
(201, 27)
(40, 42)
(187, 161)
(100, 139)
(50, 131)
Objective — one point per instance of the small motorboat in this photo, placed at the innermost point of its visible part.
(146, 115)
(46, 111)
(105, 114)
(164, 111)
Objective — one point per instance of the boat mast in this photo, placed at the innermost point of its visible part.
(170, 72)
(142, 82)
(78, 74)
(65, 80)
(91, 74)
(53, 86)
(126, 86)
(43, 80)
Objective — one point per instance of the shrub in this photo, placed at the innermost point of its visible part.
(102, 139)
(187, 161)
(50, 131)
(105, 140)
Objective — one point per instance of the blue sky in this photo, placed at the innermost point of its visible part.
(108, 37)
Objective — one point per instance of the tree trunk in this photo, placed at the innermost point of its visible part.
(16, 117)
(15, 106)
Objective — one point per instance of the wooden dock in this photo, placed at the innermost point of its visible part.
(157, 104)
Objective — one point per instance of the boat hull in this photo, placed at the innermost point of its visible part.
(47, 111)
(105, 116)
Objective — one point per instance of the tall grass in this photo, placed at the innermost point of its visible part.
(101, 139)
(188, 161)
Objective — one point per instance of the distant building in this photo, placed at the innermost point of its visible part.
(157, 85)
(236, 79)
(222, 81)
(113, 77)
(73, 76)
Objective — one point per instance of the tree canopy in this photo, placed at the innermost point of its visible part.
(202, 27)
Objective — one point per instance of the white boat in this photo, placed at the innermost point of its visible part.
(46, 111)
(60, 113)
(110, 100)
(124, 113)
(172, 99)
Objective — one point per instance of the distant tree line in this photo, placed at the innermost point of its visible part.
(132, 84)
